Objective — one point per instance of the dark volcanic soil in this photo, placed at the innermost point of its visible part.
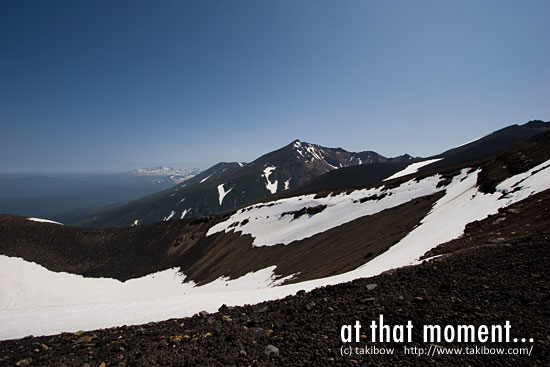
(126, 253)
(484, 285)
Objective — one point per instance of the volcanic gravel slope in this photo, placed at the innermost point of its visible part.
(126, 253)
(482, 284)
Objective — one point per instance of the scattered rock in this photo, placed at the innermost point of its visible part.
(85, 339)
(271, 350)
(175, 338)
(226, 318)
(24, 362)
(223, 308)
(263, 309)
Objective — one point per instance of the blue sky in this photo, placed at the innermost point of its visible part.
(113, 85)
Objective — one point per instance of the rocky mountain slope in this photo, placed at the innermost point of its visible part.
(227, 186)
(494, 142)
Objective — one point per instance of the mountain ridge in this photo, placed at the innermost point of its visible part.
(228, 185)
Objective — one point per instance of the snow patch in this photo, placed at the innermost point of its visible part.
(43, 221)
(222, 192)
(311, 149)
(206, 178)
(172, 213)
(412, 168)
(184, 212)
(287, 184)
(271, 186)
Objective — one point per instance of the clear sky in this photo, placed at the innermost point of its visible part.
(114, 85)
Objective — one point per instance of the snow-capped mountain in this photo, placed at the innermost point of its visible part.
(227, 186)
(175, 174)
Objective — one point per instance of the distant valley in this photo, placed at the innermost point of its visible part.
(67, 197)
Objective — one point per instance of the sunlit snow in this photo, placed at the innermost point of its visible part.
(222, 193)
(412, 168)
(271, 186)
(38, 301)
(169, 216)
(206, 178)
(43, 220)
(268, 226)
(287, 184)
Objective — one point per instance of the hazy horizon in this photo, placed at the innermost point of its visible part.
(99, 171)
(108, 86)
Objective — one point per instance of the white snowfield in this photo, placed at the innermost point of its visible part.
(43, 220)
(36, 301)
(412, 168)
(222, 193)
(269, 225)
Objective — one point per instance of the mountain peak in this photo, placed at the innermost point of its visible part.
(297, 143)
(538, 124)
